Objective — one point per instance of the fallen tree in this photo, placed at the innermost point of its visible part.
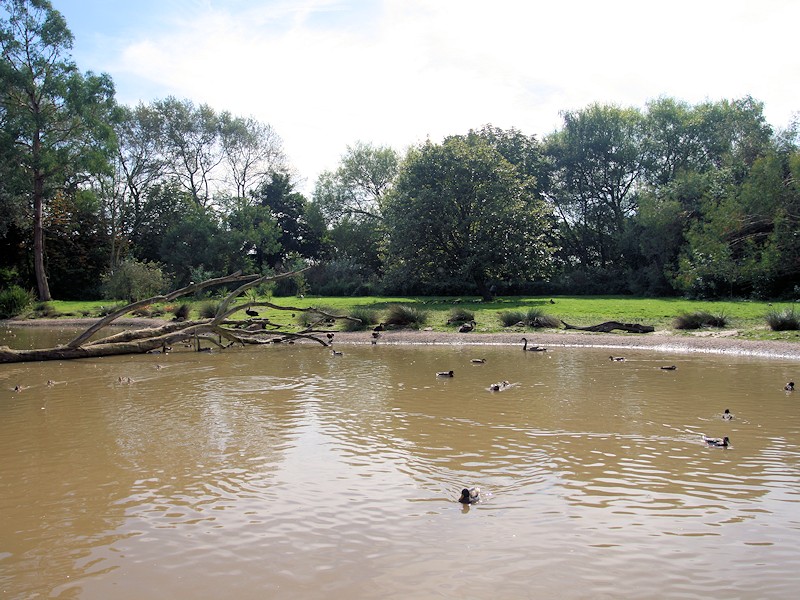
(220, 330)
(610, 326)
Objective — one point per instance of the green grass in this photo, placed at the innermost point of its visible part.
(749, 318)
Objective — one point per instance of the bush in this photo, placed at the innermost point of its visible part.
(510, 318)
(13, 301)
(401, 315)
(786, 320)
(133, 281)
(368, 317)
(181, 311)
(460, 315)
(208, 309)
(46, 310)
(699, 319)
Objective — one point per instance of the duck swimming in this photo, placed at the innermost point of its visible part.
(477, 361)
(444, 374)
(717, 442)
(496, 387)
(470, 496)
(727, 415)
(616, 358)
(336, 353)
(669, 368)
(789, 387)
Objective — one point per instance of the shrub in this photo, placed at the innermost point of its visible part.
(785, 320)
(510, 318)
(401, 315)
(536, 317)
(368, 319)
(699, 319)
(208, 309)
(13, 301)
(460, 315)
(181, 311)
(133, 280)
(46, 310)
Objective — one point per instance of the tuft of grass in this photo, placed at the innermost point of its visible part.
(368, 317)
(14, 300)
(510, 318)
(46, 310)
(700, 319)
(208, 309)
(406, 316)
(181, 312)
(785, 320)
(536, 317)
(459, 315)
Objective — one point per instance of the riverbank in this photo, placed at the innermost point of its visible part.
(664, 341)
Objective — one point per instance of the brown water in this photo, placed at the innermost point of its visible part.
(286, 472)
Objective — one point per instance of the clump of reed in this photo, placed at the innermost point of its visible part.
(208, 309)
(533, 317)
(459, 315)
(405, 316)
(783, 320)
(700, 319)
(367, 316)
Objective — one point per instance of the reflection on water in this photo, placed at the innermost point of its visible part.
(288, 472)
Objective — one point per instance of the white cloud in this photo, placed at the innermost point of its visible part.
(328, 73)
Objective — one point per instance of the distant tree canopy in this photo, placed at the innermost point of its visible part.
(671, 198)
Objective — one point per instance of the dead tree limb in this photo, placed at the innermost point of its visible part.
(610, 326)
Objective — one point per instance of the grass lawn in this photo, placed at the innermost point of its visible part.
(746, 317)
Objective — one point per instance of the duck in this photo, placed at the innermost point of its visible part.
(727, 415)
(789, 387)
(470, 496)
(532, 348)
(336, 353)
(329, 336)
(375, 336)
(717, 442)
(500, 385)
(477, 361)
(444, 374)
(669, 368)
(616, 358)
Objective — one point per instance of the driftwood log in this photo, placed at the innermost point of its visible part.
(610, 326)
(219, 330)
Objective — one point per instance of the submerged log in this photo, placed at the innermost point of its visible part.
(218, 330)
(610, 326)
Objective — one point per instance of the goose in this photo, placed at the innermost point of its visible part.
(532, 348)
(727, 415)
(251, 313)
(616, 358)
(789, 387)
(717, 442)
(444, 374)
(470, 496)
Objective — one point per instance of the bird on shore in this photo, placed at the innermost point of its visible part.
(470, 496)
(329, 336)
(789, 387)
(727, 415)
(251, 313)
(717, 442)
(467, 327)
(532, 348)
(375, 336)
(444, 374)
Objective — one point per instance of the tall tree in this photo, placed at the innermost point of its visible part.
(252, 152)
(55, 117)
(461, 216)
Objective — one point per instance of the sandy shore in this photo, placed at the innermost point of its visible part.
(723, 343)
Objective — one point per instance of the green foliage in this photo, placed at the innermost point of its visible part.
(133, 280)
(14, 300)
(783, 320)
(700, 319)
(406, 316)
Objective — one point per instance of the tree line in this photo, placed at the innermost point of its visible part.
(670, 199)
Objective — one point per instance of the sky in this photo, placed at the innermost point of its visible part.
(328, 73)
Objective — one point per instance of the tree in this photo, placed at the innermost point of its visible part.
(55, 117)
(252, 152)
(598, 162)
(461, 216)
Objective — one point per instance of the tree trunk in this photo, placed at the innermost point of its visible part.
(610, 326)
(38, 236)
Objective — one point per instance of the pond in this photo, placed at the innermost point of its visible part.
(285, 471)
